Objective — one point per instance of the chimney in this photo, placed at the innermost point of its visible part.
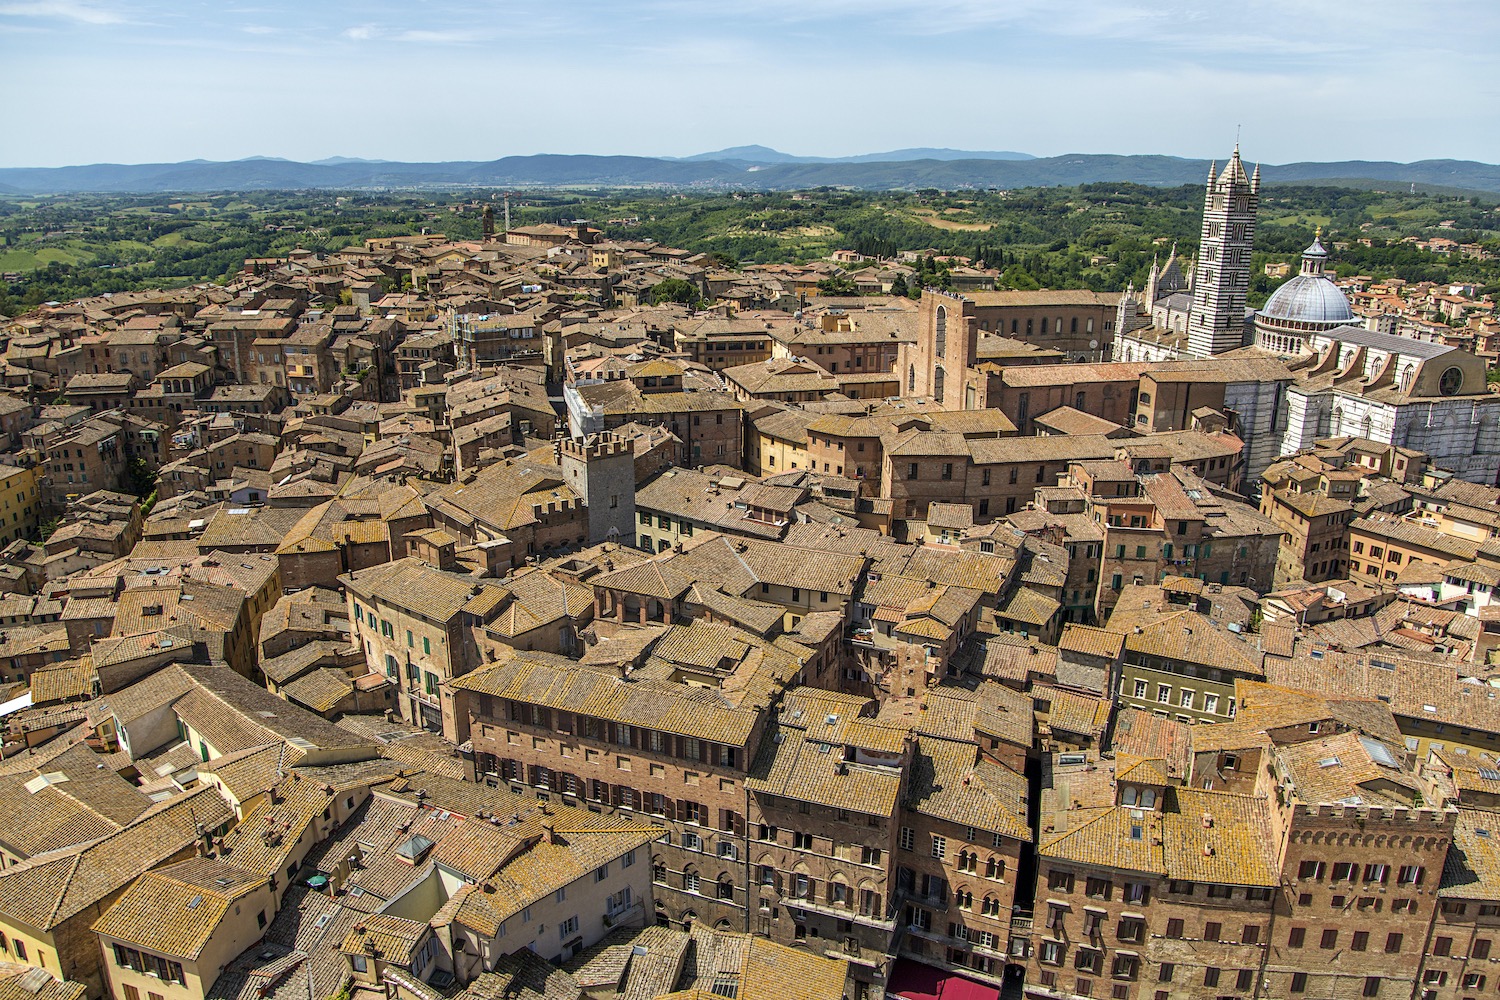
(549, 830)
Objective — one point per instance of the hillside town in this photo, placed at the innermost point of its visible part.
(458, 620)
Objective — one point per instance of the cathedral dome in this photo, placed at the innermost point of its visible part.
(1308, 299)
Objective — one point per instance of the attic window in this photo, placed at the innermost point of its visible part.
(1329, 762)
(1489, 774)
(1429, 708)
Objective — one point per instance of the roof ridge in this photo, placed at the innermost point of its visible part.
(67, 883)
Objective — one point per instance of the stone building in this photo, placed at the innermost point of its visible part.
(601, 470)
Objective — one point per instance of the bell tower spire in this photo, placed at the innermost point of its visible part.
(1222, 277)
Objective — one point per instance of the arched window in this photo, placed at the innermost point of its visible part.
(938, 378)
(911, 378)
(940, 341)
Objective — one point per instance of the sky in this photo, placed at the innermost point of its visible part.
(141, 81)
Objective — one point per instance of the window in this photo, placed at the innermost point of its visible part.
(1372, 986)
(939, 846)
(1392, 944)
(1097, 888)
(1299, 982)
(1360, 942)
(1329, 940)
(1174, 928)
(569, 926)
(908, 838)
(911, 470)
(1060, 881)
(1164, 972)
(1295, 937)
(1213, 931)
(1210, 977)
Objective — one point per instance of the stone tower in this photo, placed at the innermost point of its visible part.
(487, 220)
(1217, 322)
(601, 470)
(1129, 316)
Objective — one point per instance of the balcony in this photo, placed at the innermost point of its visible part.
(628, 916)
(841, 913)
(864, 637)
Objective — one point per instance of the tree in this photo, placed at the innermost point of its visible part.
(674, 290)
(898, 287)
(1019, 278)
(839, 284)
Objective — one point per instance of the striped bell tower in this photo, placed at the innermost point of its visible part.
(1217, 322)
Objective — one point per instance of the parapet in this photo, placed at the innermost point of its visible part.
(605, 444)
(1329, 811)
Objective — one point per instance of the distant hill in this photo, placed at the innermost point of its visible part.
(764, 154)
(875, 171)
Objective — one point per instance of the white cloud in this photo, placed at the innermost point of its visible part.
(64, 10)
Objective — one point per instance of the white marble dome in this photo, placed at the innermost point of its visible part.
(1309, 298)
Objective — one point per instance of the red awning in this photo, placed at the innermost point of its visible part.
(915, 981)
